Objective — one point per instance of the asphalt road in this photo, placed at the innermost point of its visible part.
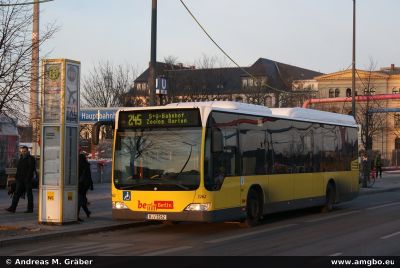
(366, 226)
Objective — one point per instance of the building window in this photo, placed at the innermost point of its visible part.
(239, 99)
(348, 92)
(397, 120)
(250, 82)
(244, 82)
(263, 81)
(397, 144)
(268, 101)
(369, 91)
(331, 93)
(337, 93)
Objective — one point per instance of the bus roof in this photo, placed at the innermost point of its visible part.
(289, 113)
(315, 115)
(225, 105)
(301, 114)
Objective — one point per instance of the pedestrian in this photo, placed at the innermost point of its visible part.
(85, 183)
(23, 178)
(378, 165)
(366, 169)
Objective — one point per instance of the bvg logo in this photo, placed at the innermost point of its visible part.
(156, 205)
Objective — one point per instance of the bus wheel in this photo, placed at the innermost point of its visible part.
(329, 198)
(253, 210)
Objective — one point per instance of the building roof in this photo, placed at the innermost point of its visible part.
(228, 80)
(280, 75)
(202, 81)
(161, 68)
(392, 70)
(347, 75)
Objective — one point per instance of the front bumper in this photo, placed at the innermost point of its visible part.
(191, 216)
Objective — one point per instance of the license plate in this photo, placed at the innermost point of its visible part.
(159, 217)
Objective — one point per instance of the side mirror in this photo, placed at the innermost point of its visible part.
(95, 133)
(96, 130)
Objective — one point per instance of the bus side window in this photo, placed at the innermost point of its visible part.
(225, 158)
(217, 140)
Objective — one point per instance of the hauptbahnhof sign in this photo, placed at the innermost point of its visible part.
(94, 115)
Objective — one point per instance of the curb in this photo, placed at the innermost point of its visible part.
(49, 236)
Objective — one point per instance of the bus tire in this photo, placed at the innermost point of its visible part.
(329, 198)
(253, 209)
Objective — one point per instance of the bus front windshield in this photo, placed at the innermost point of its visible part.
(163, 159)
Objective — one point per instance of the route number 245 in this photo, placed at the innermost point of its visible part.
(134, 120)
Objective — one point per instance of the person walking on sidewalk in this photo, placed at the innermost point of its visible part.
(85, 183)
(378, 165)
(366, 169)
(23, 177)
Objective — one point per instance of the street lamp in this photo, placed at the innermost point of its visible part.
(152, 65)
(353, 82)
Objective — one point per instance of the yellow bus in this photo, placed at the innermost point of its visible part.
(229, 161)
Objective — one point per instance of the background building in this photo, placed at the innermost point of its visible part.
(265, 82)
(380, 131)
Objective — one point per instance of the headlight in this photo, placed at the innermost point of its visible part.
(198, 207)
(119, 205)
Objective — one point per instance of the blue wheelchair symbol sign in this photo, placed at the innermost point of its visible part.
(126, 195)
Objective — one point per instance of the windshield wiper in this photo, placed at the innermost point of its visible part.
(187, 160)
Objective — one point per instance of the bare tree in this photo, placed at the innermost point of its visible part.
(296, 98)
(15, 56)
(106, 85)
(210, 79)
(171, 60)
(371, 123)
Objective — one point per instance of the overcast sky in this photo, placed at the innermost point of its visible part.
(313, 34)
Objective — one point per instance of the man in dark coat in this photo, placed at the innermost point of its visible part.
(23, 178)
(85, 183)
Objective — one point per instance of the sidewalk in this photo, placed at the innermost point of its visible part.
(390, 182)
(19, 227)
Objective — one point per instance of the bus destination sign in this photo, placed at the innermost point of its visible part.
(159, 118)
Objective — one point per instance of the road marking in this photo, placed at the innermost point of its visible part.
(336, 254)
(78, 250)
(390, 235)
(249, 234)
(99, 251)
(165, 251)
(385, 205)
(333, 216)
(38, 251)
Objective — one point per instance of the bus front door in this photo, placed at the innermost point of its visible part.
(228, 196)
